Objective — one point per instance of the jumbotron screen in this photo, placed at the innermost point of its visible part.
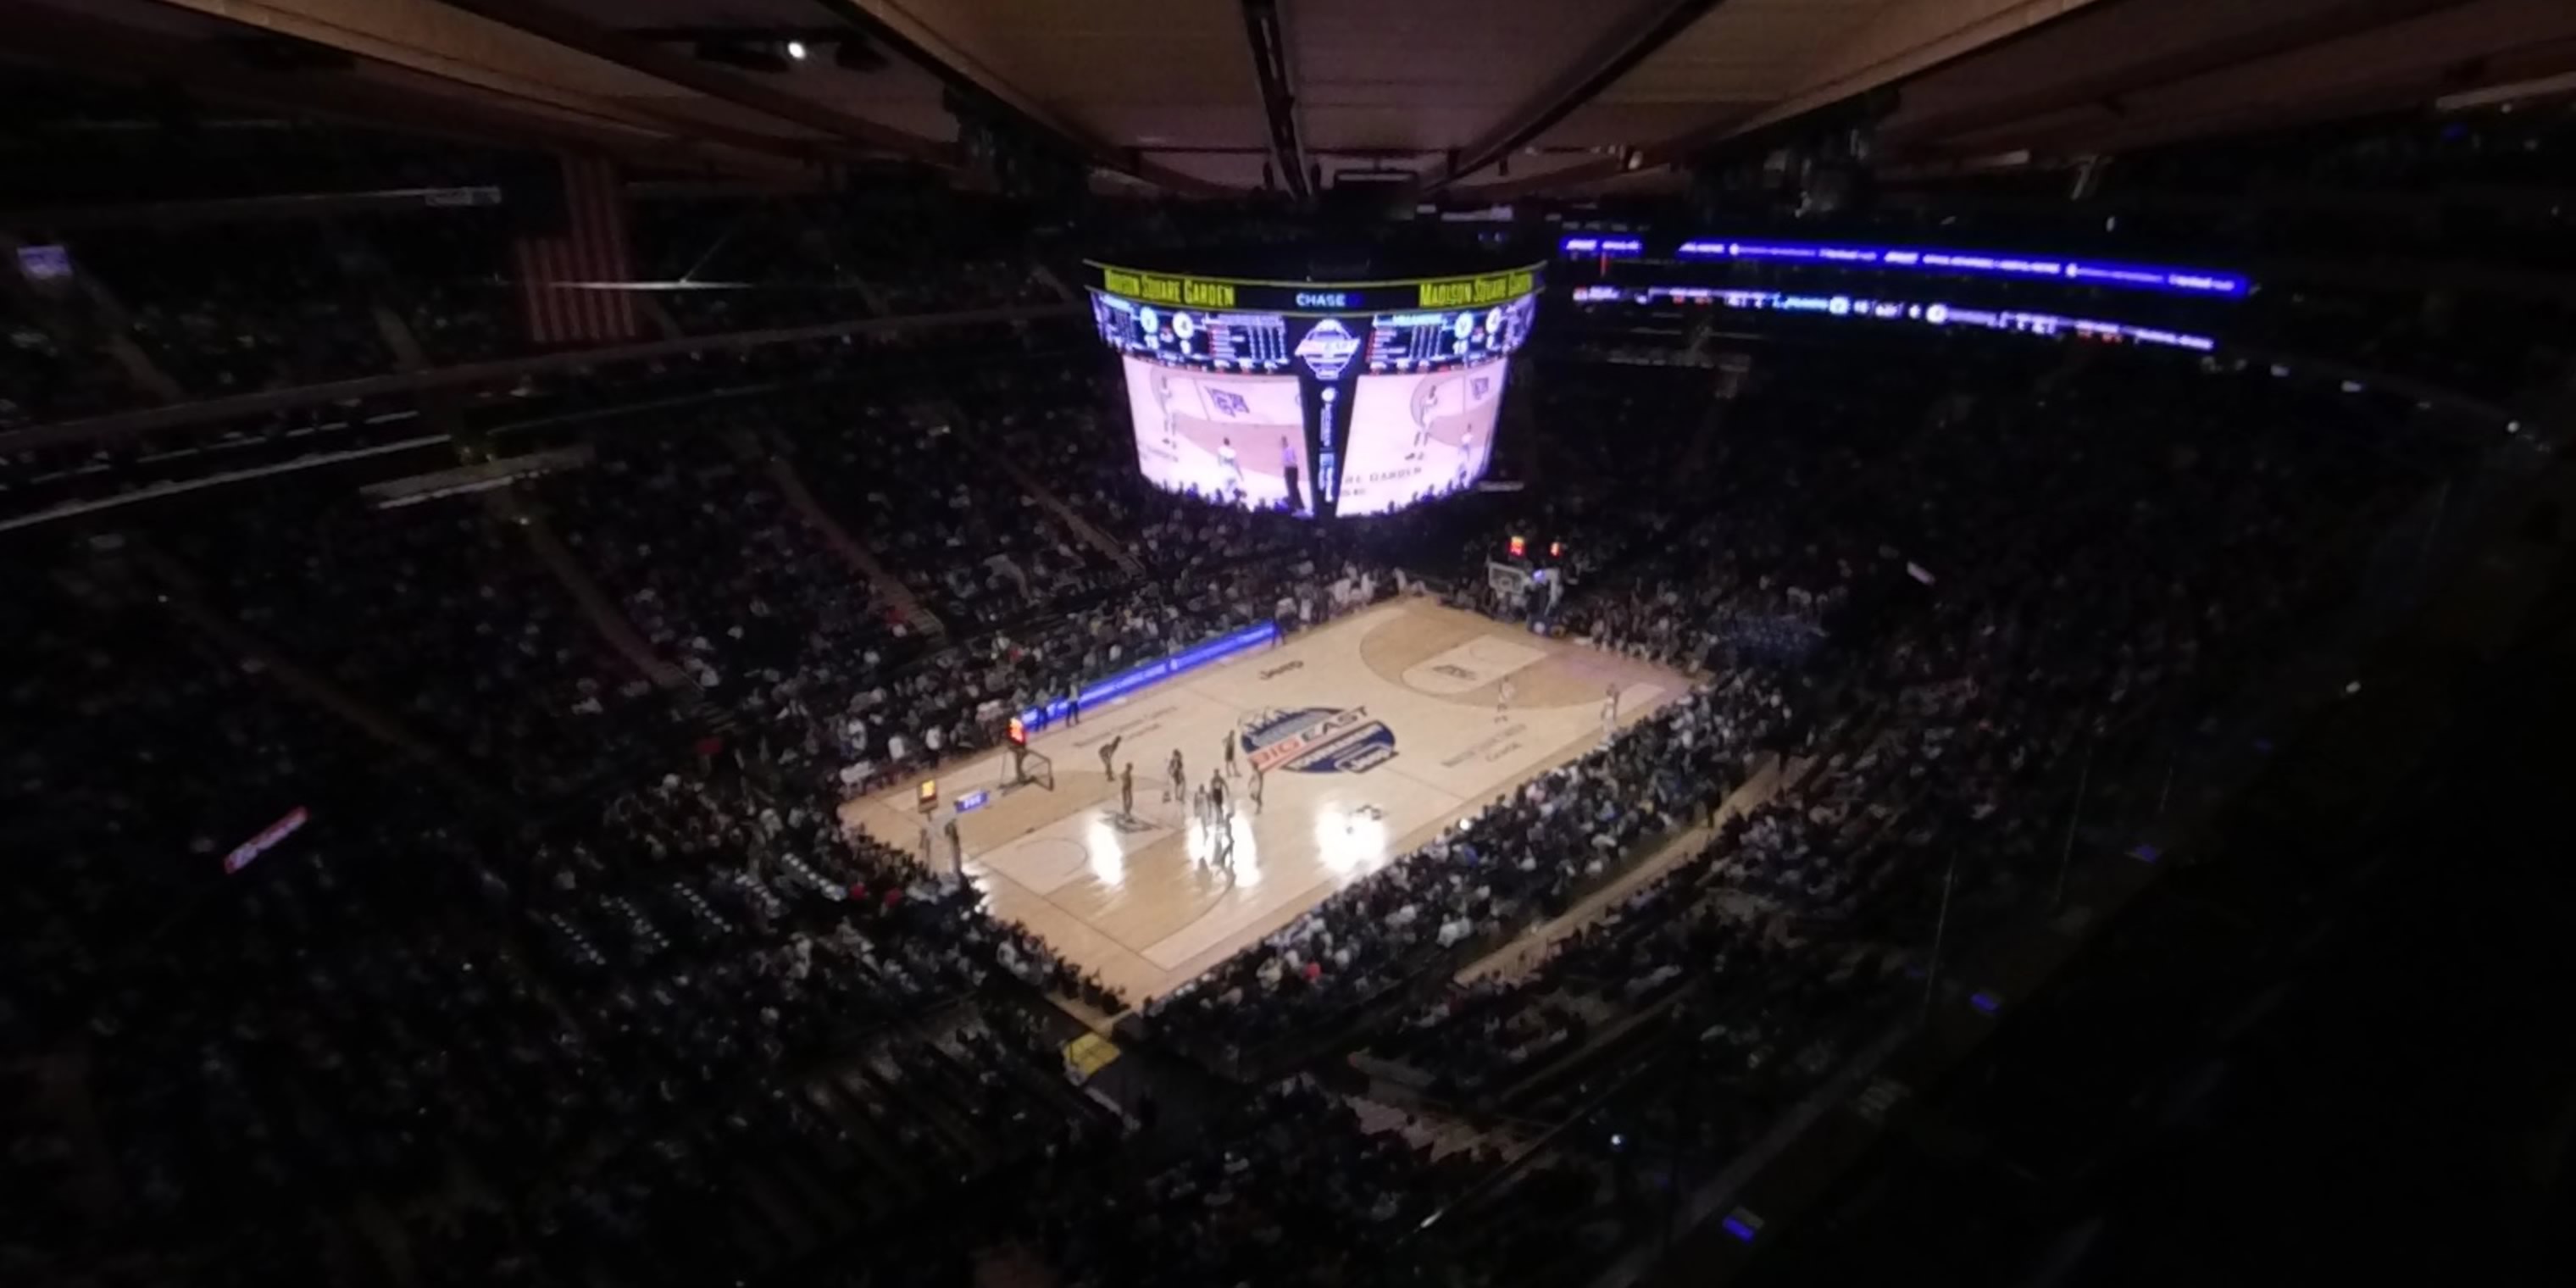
(1314, 398)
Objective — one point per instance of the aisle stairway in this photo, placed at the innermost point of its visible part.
(1712, 428)
(181, 595)
(1055, 505)
(1053, 281)
(513, 510)
(408, 355)
(1526, 952)
(772, 457)
(116, 324)
(94, 321)
(665, 327)
(863, 1142)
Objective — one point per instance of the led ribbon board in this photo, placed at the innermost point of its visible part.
(1139, 678)
(2170, 279)
(1257, 295)
(1926, 313)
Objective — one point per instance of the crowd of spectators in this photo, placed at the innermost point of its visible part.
(1960, 715)
(653, 1015)
(238, 308)
(1524, 858)
(801, 261)
(1297, 1188)
(945, 517)
(47, 376)
(441, 613)
(251, 303)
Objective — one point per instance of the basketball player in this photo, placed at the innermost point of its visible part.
(1610, 712)
(1232, 469)
(1199, 805)
(956, 851)
(1127, 792)
(1256, 787)
(1109, 750)
(1230, 770)
(1288, 473)
(1175, 787)
(1163, 400)
(1503, 700)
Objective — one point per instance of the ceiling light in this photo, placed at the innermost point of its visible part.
(796, 50)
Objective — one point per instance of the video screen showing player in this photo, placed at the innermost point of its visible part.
(1230, 439)
(1418, 436)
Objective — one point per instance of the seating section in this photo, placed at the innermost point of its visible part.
(142, 754)
(573, 975)
(237, 308)
(942, 515)
(439, 614)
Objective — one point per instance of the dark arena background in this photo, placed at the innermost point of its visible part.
(1285, 643)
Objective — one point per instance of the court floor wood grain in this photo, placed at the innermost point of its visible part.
(1138, 898)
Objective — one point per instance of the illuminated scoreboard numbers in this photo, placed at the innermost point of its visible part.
(1116, 319)
(1407, 340)
(1246, 339)
(1413, 341)
(1428, 340)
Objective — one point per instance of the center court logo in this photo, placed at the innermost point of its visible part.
(1319, 740)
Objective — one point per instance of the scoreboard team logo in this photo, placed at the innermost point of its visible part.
(1319, 740)
(1328, 348)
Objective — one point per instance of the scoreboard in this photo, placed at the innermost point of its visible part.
(1429, 341)
(1314, 398)
(1273, 342)
(1189, 337)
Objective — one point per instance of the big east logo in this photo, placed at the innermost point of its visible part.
(1319, 740)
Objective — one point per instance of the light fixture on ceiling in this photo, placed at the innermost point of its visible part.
(796, 50)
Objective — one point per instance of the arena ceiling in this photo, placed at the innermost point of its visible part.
(1479, 98)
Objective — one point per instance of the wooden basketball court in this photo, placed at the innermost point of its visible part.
(1373, 733)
